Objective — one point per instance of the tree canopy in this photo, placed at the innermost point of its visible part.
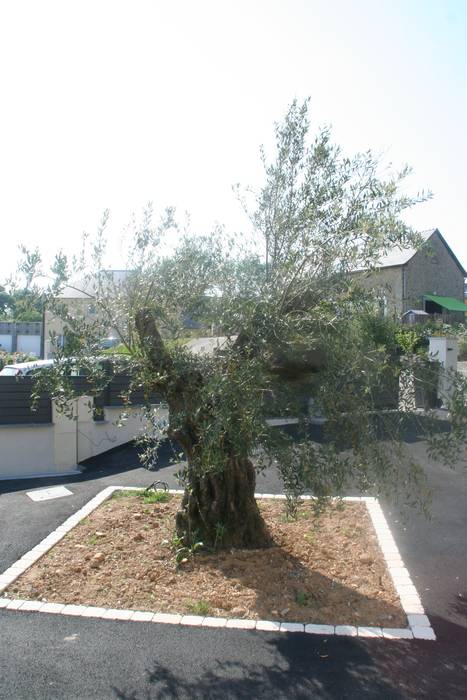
(295, 326)
(19, 304)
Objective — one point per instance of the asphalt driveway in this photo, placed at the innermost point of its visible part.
(51, 656)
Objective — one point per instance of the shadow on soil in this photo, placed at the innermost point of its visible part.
(306, 594)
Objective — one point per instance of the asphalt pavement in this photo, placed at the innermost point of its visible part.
(51, 656)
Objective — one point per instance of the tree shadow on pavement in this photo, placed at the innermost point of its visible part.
(298, 666)
(429, 669)
(310, 666)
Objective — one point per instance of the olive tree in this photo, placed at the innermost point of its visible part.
(293, 321)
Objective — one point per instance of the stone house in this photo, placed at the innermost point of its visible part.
(430, 279)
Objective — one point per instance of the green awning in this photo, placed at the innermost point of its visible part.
(448, 303)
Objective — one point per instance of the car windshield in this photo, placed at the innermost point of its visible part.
(9, 372)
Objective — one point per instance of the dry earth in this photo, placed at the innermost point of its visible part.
(326, 569)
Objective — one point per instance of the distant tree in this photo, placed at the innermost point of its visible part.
(6, 302)
(293, 318)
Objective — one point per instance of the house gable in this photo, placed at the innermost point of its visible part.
(434, 269)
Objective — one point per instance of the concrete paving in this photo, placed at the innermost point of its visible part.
(50, 656)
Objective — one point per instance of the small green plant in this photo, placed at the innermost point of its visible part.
(199, 607)
(155, 496)
(302, 598)
(125, 493)
(407, 340)
(93, 539)
(292, 502)
(182, 551)
(220, 534)
(146, 496)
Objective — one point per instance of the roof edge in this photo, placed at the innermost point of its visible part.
(449, 249)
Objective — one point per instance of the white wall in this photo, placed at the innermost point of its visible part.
(28, 343)
(5, 342)
(27, 450)
(56, 448)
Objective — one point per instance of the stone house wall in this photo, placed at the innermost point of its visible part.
(387, 283)
(432, 271)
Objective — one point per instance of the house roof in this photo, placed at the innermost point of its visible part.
(416, 312)
(401, 257)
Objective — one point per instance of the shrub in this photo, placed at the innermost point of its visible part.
(12, 358)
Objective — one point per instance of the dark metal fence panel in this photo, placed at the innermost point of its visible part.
(115, 392)
(118, 388)
(16, 402)
(16, 399)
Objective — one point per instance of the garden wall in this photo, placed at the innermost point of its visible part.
(48, 443)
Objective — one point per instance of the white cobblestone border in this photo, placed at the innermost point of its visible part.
(419, 625)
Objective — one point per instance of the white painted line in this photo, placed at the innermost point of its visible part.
(419, 624)
(48, 494)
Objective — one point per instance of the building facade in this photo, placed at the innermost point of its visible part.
(403, 280)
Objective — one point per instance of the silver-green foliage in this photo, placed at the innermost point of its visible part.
(284, 296)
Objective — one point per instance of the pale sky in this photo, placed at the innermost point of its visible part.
(110, 104)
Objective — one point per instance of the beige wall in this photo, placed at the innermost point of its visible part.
(387, 282)
(56, 448)
(53, 324)
(83, 308)
(27, 450)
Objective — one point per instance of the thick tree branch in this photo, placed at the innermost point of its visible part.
(151, 342)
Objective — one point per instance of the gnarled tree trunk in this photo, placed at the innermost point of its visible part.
(219, 508)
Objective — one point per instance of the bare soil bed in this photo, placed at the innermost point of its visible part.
(326, 569)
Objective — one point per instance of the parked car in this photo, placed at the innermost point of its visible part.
(23, 369)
